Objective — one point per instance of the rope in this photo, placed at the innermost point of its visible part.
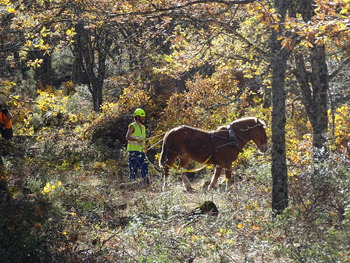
(249, 128)
(196, 169)
(155, 136)
(154, 168)
(154, 144)
(200, 168)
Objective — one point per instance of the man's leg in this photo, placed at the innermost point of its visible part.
(7, 134)
(144, 168)
(2, 131)
(132, 164)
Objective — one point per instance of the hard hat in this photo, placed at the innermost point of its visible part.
(139, 112)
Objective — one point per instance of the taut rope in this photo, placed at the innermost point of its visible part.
(196, 169)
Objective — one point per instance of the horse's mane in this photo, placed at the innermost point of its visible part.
(189, 127)
(254, 119)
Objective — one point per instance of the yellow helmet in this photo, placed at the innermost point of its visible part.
(140, 112)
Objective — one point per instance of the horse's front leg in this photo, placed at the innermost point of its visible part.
(184, 163)
(186, 183)
(215, 177)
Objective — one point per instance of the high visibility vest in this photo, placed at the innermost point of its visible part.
(3, 118)
(139, 134)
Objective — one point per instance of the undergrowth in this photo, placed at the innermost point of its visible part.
(54, 210)
(66, 198)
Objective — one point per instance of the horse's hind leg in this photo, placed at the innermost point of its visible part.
(229, 181)
(215, 177)
(165, 176)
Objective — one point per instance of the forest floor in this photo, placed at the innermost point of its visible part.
(152, 224)
(55, 211)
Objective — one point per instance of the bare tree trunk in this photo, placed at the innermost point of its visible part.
(44, 74)
(91, 54)
(279, 167)
(79, 75)
(319, 79)
(314, 88)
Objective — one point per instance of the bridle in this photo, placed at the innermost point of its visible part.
(237, 135)
(259, 124)
(259, 131)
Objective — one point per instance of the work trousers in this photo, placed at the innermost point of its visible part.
(6, 133)
(137, 161)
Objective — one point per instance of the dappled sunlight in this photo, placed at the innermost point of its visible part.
(72, 72)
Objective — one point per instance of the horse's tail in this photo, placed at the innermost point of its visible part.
(164, 154)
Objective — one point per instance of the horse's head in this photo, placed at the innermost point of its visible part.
(251, 128)
(259, 136)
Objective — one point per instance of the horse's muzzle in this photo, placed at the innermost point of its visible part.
(264, 148)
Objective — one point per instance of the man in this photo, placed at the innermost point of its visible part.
(136, 137)
(5, 123)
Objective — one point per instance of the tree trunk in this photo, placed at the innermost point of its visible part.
(279, 167)
(92, 46)
(79, 75)
(44, 74)
(319, 80)
(314, 87)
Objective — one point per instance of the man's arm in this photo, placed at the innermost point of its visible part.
(128, 136)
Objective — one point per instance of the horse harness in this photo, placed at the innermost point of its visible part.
(232, 140)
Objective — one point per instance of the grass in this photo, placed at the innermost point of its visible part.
(53, 210)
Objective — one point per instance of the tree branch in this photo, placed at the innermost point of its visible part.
(229, 3)
(342, 65)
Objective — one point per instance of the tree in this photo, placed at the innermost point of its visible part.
(10, 42)
(314, 85)
(279, 58)
(90, 50)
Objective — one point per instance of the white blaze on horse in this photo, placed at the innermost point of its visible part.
(219, 147)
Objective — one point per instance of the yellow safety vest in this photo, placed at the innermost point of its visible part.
(139, 134)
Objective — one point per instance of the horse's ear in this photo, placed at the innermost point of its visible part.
(262, 123)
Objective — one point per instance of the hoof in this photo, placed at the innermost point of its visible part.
(211, 187)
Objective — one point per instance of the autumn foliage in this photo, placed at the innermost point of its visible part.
(72, 72)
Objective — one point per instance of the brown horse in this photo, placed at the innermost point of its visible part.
(220, 147)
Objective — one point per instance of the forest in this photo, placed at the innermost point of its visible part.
(72, 72)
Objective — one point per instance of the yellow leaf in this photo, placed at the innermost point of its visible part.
(344, 11)
(256, 227)
(240, 225)
(11, 10)
(308, 44)
(342, 25)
